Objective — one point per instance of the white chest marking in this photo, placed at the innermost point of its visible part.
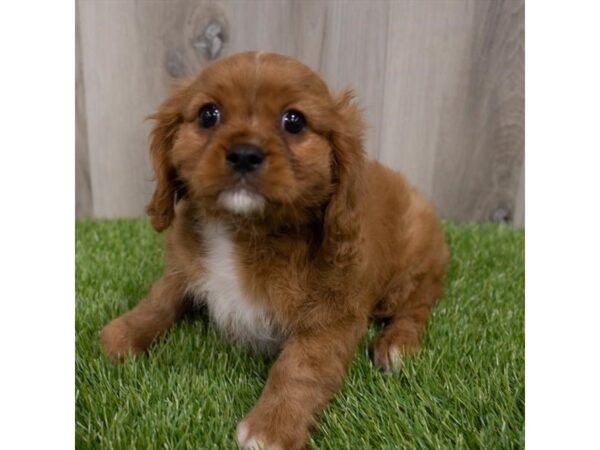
(245, 323)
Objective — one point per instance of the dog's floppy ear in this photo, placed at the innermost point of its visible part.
(341, 222)
(161, 208)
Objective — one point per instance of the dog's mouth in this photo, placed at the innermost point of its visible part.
(241, 200)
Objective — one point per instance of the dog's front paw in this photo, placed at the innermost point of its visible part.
(247, 440)
(262, 431)
(117, 340)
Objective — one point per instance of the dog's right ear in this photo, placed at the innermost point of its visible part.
(161, 208)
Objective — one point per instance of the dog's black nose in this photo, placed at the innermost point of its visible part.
(244, 158)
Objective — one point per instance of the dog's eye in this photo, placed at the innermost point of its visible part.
(209, 115)
(293, 121)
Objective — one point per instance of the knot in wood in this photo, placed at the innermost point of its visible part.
(211, 41)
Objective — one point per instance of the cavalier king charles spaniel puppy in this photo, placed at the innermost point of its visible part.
(279, 225)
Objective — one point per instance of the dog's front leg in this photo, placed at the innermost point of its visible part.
(134, 331)
(308, 372)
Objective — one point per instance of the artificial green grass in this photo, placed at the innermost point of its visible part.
(465, 389)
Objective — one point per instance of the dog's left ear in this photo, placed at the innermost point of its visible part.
(341, 222)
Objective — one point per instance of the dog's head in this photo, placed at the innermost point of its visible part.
(257, 137)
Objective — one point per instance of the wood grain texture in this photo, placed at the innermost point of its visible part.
(441, 83)
(455, 96)
(519, 217)
(354, 55)
(427, 43)
(83, 186)
(120, 90)
(480, 155)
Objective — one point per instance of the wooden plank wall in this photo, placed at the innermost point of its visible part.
(441, 82)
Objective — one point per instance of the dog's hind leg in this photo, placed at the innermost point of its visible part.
(405, 322)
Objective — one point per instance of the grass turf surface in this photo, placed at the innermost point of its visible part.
(465, 389)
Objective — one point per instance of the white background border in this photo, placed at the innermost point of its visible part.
(37, 166)
(562, 216)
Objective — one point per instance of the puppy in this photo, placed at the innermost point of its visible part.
(290, 237)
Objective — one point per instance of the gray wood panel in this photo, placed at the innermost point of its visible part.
(441, 82)
(83, 196)
(480, 153)
(519, 217)
(123, 55)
